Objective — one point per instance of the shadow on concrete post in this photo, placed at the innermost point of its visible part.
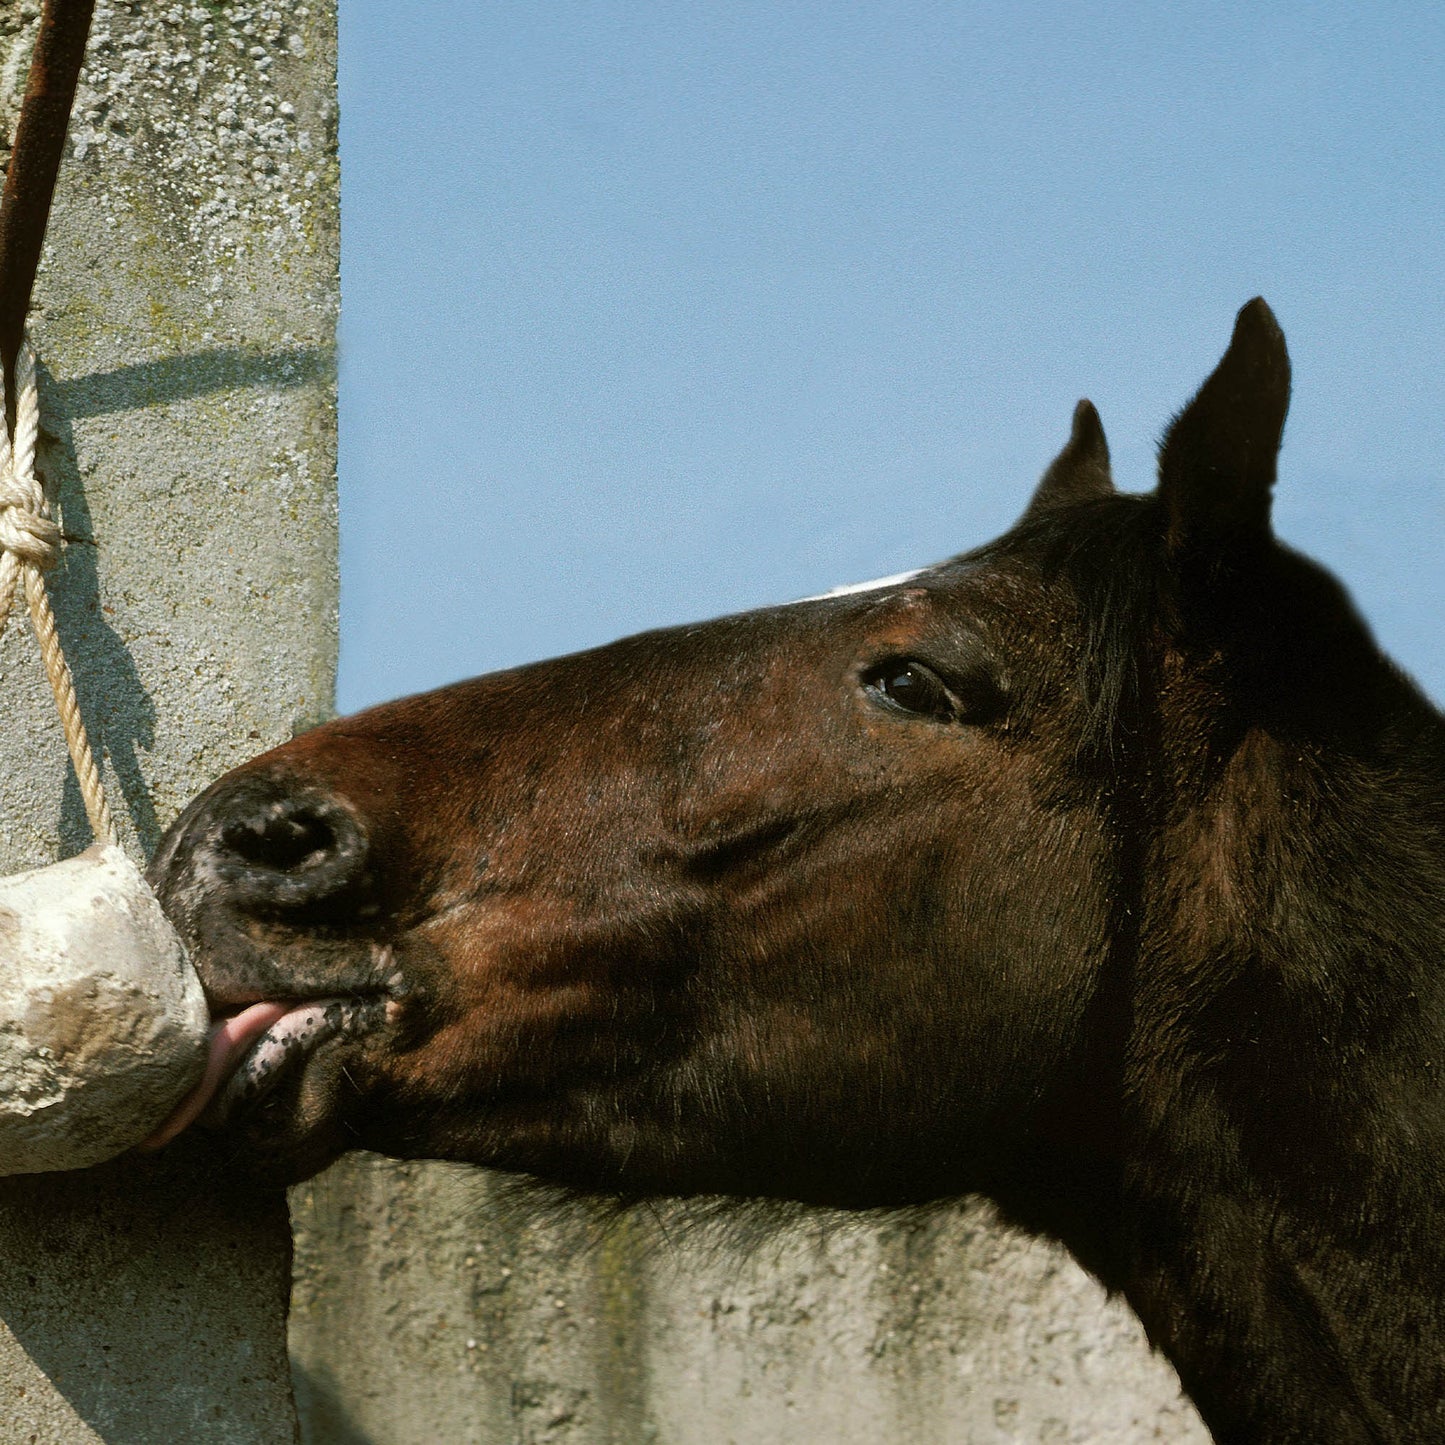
(102, 667)
(119, 714)
(321, 1405)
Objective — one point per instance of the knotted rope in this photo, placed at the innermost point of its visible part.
(29, 545)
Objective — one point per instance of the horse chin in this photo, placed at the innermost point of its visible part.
(299, 1126)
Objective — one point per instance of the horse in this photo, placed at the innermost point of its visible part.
(1099, 870)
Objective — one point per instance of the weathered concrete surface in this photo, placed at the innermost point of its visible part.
(427, 1309)
(102, 1019)
(186, 318)
(141, 1304)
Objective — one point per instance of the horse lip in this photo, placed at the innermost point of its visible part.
(227, 997)
(254, 1048)
(285, 1046)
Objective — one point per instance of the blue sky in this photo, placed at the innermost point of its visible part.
(656, 311)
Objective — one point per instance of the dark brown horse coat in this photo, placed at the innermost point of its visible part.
(1101, 870)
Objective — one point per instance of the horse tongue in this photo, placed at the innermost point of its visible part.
(229, 1040)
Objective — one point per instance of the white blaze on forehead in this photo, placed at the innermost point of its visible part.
(876, 585)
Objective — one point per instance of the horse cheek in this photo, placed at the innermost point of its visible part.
(1034, 922)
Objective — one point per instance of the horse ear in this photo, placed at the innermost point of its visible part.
(1081, 471)
(1217, 460)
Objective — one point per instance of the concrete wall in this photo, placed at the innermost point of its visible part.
(429, 1307)
(186, 321)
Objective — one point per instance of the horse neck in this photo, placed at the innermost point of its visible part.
(1282, 1332)
(1284, 1236)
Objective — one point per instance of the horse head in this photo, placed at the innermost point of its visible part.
(1034, 873)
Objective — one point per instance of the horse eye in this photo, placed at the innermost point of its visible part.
(914, 688)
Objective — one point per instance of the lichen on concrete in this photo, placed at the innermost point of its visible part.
(219, 94)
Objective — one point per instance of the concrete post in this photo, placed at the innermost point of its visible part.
(185, 322)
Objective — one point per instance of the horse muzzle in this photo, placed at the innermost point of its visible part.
(269, 885)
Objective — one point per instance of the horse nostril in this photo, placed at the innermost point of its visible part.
(284, 843)
(286, 852)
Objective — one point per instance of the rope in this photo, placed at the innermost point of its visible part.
(29, 545)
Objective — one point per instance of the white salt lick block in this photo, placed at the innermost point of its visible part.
(102, 1019)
